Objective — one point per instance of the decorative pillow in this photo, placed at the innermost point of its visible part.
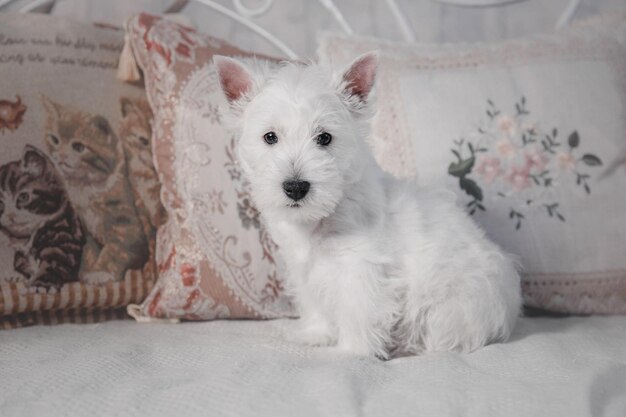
(529, 134)
(214, 256)
(79, 196)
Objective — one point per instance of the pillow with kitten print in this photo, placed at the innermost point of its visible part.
(215, 258)
(79, 195)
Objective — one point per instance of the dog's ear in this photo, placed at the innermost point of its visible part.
(358, 80)
(235, 78)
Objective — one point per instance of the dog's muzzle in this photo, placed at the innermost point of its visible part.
(296, 189)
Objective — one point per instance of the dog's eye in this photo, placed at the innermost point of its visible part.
(270, 138)
(324, 139)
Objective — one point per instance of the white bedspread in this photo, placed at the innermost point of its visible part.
(552, 367)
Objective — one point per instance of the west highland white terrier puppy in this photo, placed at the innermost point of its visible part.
(377, 266)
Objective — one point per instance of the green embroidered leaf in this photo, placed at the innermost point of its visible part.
(591, 160)
(461, 168)
(471, 188)
(573, 140)
(456, 154)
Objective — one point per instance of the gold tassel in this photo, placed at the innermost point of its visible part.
(127, 69)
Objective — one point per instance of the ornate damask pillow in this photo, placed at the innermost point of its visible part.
(531, 135)
(79, 196)
(214, 256)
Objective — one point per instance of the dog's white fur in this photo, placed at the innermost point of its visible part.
(378, 266)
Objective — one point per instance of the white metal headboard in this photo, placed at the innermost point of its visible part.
(244, 14)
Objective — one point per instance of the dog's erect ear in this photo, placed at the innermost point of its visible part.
(358, 80)
(235, 78)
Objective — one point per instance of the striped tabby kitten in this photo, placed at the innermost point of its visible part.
(91, 160)
(41, 224)
(136, 134)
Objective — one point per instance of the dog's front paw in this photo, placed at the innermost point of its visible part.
(313, 336)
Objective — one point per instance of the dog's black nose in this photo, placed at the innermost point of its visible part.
(296, 189)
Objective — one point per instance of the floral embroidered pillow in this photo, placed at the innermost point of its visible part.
(79, 196)
(214, 256)
(531, 135)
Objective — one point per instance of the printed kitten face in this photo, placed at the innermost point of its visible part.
(83, 146)
(30, 194)
(135, 129)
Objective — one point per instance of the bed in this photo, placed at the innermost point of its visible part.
(572, 366)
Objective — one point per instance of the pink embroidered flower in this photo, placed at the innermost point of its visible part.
(489, 168)
(566, 161)
(518, 177)
(506, 148)
(536, 159)
(507, 125)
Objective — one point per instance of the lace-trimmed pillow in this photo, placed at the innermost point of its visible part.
(531, 135)
(214, 256)
(79, 197)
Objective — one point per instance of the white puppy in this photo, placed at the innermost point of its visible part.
(377, 266)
